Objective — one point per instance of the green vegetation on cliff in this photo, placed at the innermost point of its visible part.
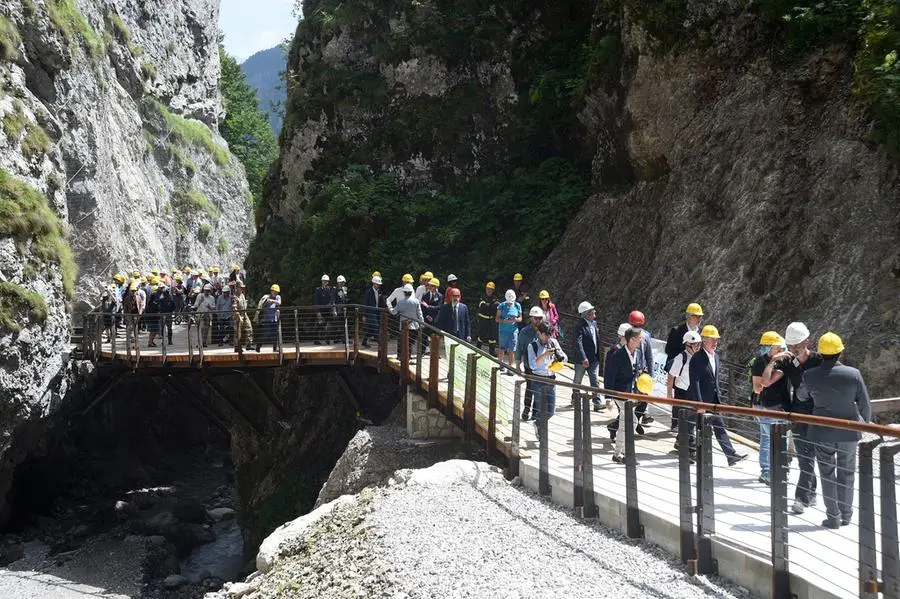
(9, 39)
(25, 215)
(188, 131)
(246, 127)
(16, 301)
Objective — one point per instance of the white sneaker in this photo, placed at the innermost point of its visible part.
(799, 507)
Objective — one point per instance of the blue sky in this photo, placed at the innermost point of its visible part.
(254, 25)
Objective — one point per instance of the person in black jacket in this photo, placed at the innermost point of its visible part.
(487, 326)
(675, 340)
(587, 353)
(166, 309)
(373, 299)
(620, 375)
(325, 311)
(704, 368)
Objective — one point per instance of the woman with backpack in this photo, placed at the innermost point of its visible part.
(678, 380)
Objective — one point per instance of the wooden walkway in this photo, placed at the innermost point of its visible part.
(823, 563)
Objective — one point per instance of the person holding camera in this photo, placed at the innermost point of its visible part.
(542, 353)
(792, 363)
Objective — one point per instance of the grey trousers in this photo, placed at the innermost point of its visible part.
(837, 469)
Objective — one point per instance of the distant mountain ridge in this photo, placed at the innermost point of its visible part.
(263, 71)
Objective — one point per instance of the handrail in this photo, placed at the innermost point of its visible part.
(876, 429)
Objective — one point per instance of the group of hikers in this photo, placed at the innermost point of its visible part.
(787, 376)
(153, 302)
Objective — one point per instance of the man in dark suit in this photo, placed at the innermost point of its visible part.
(837, 391)
(373, 299)
(453, 317)
(587, 352)
(675, 340)
(619, 375)
(704, 369)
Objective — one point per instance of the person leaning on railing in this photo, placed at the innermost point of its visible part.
(542, 352)
(837, 391)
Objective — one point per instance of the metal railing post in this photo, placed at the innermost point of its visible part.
(434, 372)
(356, 320)
(868, 549)
(280, 341)
(190, 340)
(686, 420)
(587, 457)
(633, 527)
(781, 576)
(543, 445)
(383, 342)
(162, 337)
(98, 340)
(578, 458)
(890, 552)
(420, 332)
(469, 396)
(514, 454)
(706, 505)
(201, 334)
(113, 338)
(491, 442)
(403, 354)
(296, 337)
(346, 337)
(451, 374)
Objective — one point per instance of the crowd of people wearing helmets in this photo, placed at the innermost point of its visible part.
(786, 375)
(154, 301)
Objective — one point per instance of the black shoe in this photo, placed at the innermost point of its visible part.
(258, 348)
(734, 459)
(526, 415)
(365, 344)
(618, 458)
(319, 343)
(845, 521)
(639, 429)
(831, 523)
(646, 419)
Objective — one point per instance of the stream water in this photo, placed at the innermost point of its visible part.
(222, 558)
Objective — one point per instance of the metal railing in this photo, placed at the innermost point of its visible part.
(709, 502)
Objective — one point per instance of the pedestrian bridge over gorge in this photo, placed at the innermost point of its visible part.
(717, 518)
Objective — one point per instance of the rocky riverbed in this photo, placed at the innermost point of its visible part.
(173, 540)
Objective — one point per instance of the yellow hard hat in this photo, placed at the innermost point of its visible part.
(426, 276)
(154, 279)
(694, 309)
(214, 269)
(275, 288)
(710, 331)
(143, 279)
(518, 276)
(770, 338)
(544, 294)
(133, 287)
(376, 274)
(235, 267)
(187, 269)
(178, 277)
(645, 384)
(490, 285)
(830, 344)
(136, 273)
(118, 278)
(407, 278)
(434, 282)
(200, 272)
(154, 271)
(153, 287)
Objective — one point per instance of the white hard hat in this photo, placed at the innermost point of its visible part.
(376, 280)
(451, 278)
(408, 288)
(691, 337)
(341, 279)
(585, 307)
(326, 278)
(796, 333)
(207, 287)
(623, 328)
(536, 312)
(510, 295)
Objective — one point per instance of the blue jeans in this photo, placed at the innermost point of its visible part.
(765, 442)
(539, 391)
(593, 372)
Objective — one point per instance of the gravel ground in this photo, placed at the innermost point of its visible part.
(103, 567)
(459, 530)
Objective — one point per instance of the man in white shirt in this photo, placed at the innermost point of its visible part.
(423, 283)
(678, 381)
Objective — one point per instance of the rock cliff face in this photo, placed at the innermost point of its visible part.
(109, 158)
(754, 189)
(735, 156)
